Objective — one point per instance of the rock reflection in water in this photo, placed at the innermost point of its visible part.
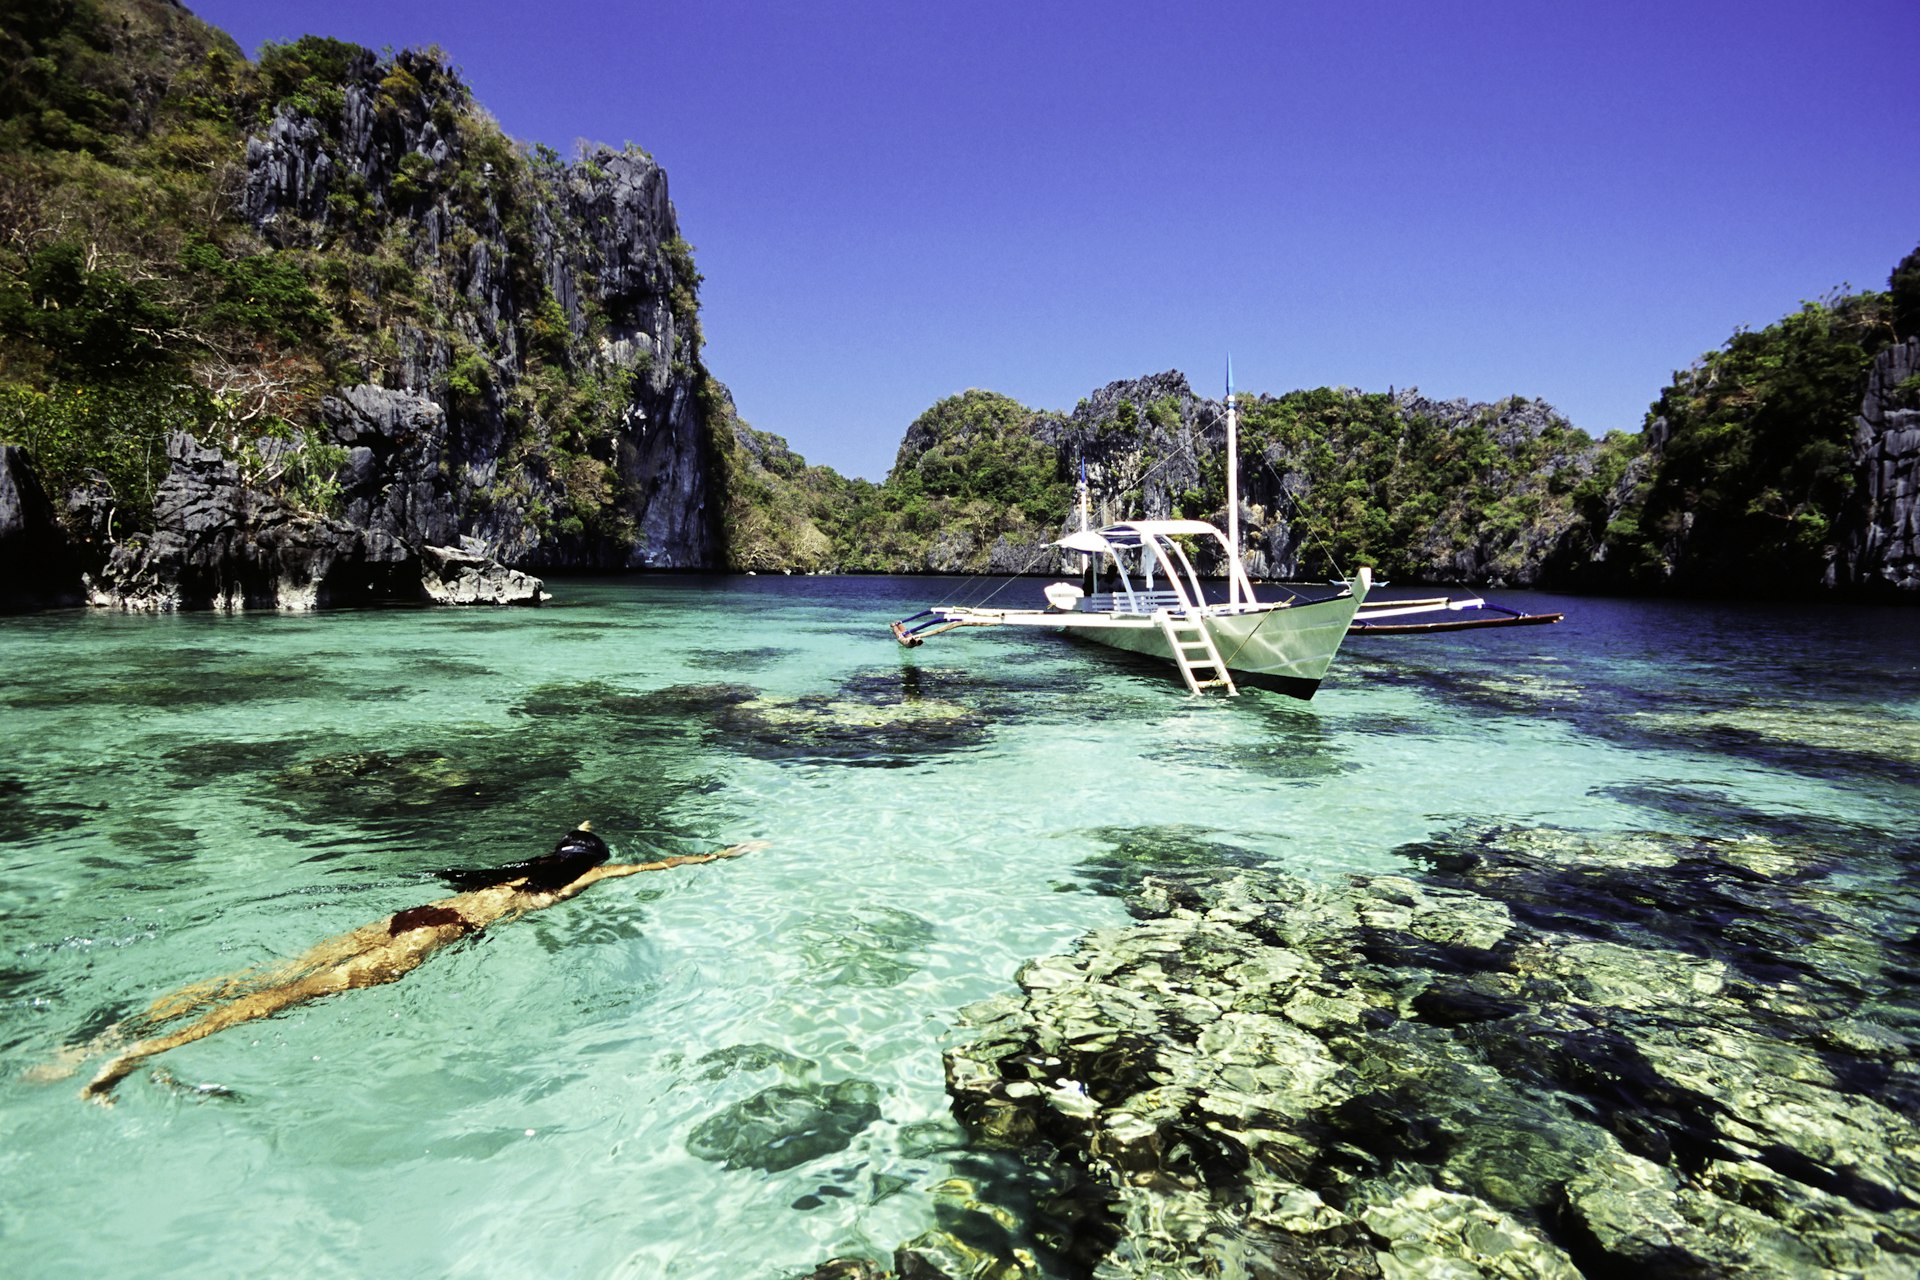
(1551, 1055)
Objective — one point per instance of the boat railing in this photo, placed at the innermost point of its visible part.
(1133, 602)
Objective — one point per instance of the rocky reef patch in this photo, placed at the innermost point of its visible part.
(1541, 1054)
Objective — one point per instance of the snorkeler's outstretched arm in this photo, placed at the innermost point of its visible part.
(610, 871)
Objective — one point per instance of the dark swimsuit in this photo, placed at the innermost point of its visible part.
(428, 917)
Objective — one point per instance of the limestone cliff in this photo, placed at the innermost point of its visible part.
(552, 292)
(332, 316)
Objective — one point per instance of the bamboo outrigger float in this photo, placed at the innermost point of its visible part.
(1396, 617)
(1150, 600)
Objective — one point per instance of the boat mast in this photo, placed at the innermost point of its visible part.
(1233, 491)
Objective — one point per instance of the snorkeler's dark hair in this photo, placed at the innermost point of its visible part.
(578, 850)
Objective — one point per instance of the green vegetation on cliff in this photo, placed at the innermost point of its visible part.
(776, 510)
(1741, 480)
(1750, 459)
(113, 121)
(973, 474)
(976, 446)
(1410, 487)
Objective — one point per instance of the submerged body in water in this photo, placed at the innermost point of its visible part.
(384, 951)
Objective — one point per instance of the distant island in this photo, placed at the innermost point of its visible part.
(311, 330)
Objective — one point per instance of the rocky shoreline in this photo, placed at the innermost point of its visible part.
(1540, 1053)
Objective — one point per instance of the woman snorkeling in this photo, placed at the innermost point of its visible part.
(381, 952)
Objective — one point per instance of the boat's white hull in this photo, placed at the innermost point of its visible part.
(1284, 649)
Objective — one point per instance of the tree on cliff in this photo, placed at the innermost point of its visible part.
(1903, 286)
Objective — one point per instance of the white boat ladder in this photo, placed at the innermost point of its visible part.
(1193, 652)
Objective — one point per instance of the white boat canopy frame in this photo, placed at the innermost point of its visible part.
(1158, 552)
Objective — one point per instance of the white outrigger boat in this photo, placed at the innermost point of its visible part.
(1151, 601)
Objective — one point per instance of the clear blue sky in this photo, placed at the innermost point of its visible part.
(893, 201)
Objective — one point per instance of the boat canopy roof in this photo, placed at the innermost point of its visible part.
(1131, 534)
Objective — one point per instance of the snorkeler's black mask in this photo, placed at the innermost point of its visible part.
(578, 851)
(578, 844)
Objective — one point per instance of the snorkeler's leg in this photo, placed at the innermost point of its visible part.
(198, 995)
(375, 965)
(247, 1008)
(175, 1004)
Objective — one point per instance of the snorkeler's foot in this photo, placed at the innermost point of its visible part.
(100, 1088)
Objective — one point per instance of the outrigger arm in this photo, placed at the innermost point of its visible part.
(914, 636)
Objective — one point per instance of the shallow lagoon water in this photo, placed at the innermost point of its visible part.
(185, 796)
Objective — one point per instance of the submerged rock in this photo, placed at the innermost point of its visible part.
(721, 1063)
(1547, 1055)
(1169, 847)
(872, 720)
(871, 947)
(407, 792)
(1814, 738)
(786, 1125)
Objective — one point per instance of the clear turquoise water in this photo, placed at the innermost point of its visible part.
(181, 797)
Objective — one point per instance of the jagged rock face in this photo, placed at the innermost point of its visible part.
(1144, 436)
(598, 241)
(1880, 543)
(219, 543)
(1522, 557)
(1143, 441)
(396, 491)
(529, 385)
(37, 563)
(621, 205)
(454, 575)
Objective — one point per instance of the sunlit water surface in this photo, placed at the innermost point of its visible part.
(182, 797)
